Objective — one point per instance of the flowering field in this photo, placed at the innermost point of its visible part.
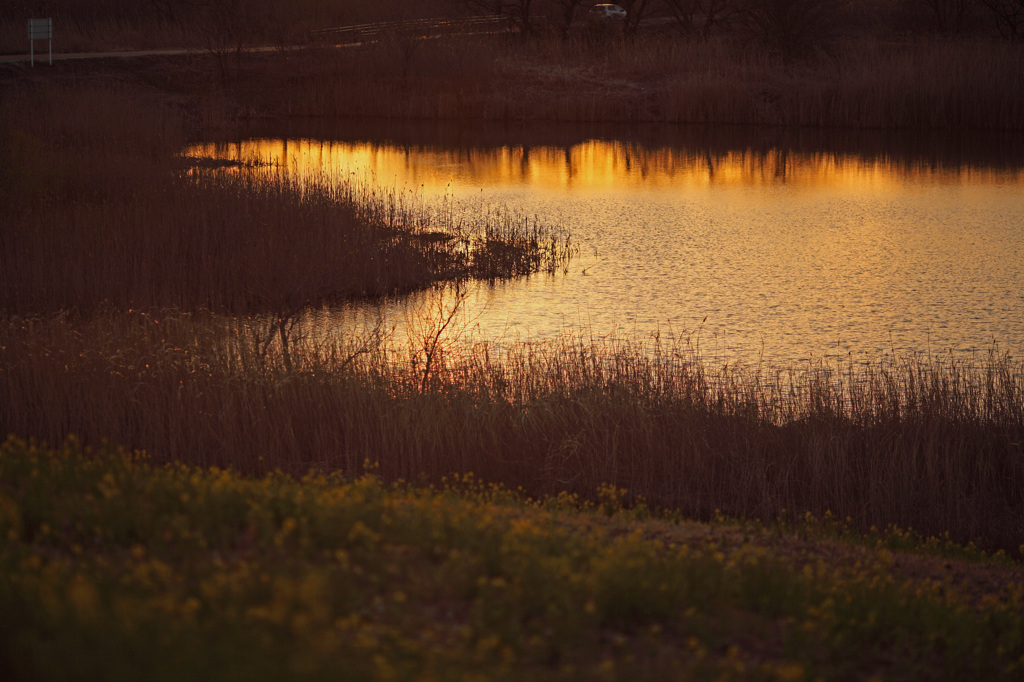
(114, 568)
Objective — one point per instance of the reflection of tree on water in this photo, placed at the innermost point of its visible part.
(596, 164)
(899, 149)
(780, 165)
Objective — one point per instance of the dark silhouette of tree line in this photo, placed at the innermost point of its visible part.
(786, 26)
(775, 21)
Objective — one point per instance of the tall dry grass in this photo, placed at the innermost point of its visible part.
(934, 444)
(100, 208)
(920, 83)
(862, 80)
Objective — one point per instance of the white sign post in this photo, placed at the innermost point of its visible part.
(39, 29)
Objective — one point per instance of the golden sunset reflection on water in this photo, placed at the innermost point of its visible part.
(766, 253)
(590, 165)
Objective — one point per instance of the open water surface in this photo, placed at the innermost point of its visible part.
(774, 245)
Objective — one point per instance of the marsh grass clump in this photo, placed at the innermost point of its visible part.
(115, 567)
(929, 444)
(100, 209)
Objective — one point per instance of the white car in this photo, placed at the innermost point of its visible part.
(606, 12)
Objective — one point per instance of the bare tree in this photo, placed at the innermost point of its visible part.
(636, 10)
(684, 12)
(949, 14)
(432, 334)
(227, 28)
(700, 15)
(715, 13)
(566, 13)
(788, 27)
(1009, 16)
(519, 12)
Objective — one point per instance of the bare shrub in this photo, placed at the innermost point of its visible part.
(1008, 15)
(793, 27)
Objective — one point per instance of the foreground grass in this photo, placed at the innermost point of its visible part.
(113, 568)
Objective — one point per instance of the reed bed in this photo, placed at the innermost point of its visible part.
(859, 81)
(868, 71)
(864, 83)
(932, 444)
(110, 213)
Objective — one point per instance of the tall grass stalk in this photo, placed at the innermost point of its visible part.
(933, 444)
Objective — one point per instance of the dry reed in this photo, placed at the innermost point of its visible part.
(859, 81)
(99, 208)
(934, 444)
(918, 84)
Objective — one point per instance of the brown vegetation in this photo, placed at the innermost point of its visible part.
(784, 26)
(788, 62)
(110, 214)
(101, 25)
(925, 84)
(101, 216)
(929, 84)
(933, 444)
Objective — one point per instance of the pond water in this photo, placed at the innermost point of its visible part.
(772, 245)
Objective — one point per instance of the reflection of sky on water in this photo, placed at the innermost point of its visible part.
(790, 255)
